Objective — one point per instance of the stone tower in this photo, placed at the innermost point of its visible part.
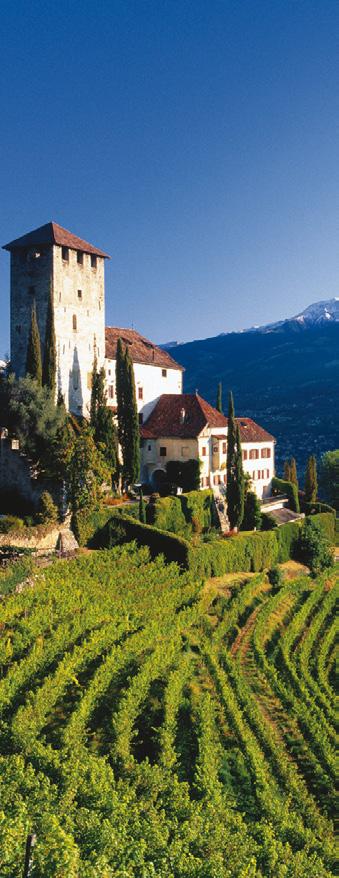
(52, 261)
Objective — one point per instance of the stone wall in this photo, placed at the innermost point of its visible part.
(16, 476)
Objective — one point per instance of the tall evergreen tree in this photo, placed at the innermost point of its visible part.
(287, 471)
(120, 381)
(235, 476)
(94, 393)
(311, 481)
(131, 460)
(49, 362)
(293, 472)
(219, 398)
(101, 420)
(128, 419)
(33, 358)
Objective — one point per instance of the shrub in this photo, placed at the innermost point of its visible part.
(85, 524)
(184, 474)
(288, 537)
(326, 522)
(245, 552)
(280, 486)
(252, 514)
(10, 523)
(275, 577)
(268, 521)
(47, 510)
(315, 548)
(187, 513)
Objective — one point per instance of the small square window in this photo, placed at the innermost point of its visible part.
(74, 323)
(93, 261)
(164, 373)
(111, 391)
(149, 447)
(80, 257)
(224, 448)
(163, 451)
(79, 294)
(65, 254)
(204, 451)
(140, 393)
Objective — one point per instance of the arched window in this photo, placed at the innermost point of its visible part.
(74, 322)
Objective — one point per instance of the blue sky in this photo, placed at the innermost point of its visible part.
(196, 142)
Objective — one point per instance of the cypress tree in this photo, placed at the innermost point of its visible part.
(120, 380)
(142, 508)
(33, 358)
(293, 472)
(131, 454)
(235, 476)
(311, 481)
(101, 420)
(287, 471)
(49, 364)
(128, 419)
(94, 393)
(219, 398)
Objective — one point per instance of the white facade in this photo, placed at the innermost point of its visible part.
(211, 448)
(150, 383)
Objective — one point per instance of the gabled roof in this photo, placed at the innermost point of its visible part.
(185, 415)
(52, 233)
(141, 349)
(181, 414)
(252, 432)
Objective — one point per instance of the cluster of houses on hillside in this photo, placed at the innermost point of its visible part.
(52, 262)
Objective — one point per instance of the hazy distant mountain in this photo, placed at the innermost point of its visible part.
(284, 375)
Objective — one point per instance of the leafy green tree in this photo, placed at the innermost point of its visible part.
(235, 475)
(311, 481)
(37, 422)
(315, 548)
(47, 511)
(252, 512)
(49, 362)
(128, 419)
(142, 508)
(219, 398)
(86, 473)
(329, 478)
(33, 357)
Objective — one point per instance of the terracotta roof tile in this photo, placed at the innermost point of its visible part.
(181, 414)
(52, 233)
(141, 349)
(167, 419)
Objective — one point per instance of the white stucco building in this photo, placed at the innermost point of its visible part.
(155, 371)
(185, 426)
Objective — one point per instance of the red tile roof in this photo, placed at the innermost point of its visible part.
(141, 349)
(167, 420)
(52, 233)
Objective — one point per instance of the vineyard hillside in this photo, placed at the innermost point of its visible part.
(152, 726)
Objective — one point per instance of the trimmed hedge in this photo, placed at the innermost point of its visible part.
(85, 525)
(183, 514)
(315, 508)
(173, 547)
(245, 552)
(288, 536)
(327, 522)
(280, 486)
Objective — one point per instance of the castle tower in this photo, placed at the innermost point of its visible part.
(52, 261)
